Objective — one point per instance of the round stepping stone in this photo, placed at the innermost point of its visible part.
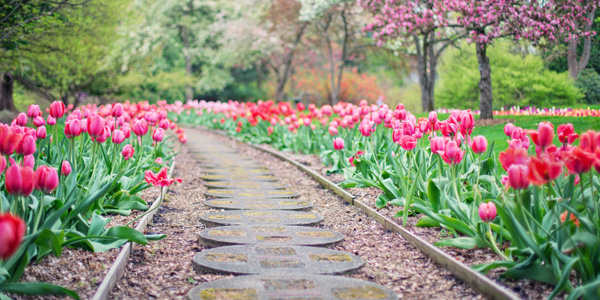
(241, 177)
(245, 185)
(259, 217)
(279, 235)
(237, 169)
(237, 172)
(291, 286)
(240, 193)
(279, 204)
(247, 260)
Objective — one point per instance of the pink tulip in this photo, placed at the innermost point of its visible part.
(73, 128)
(57, 110)
(164, 124)
(127, 152)
(140, 127)
(95, 126)
(487, 211)
(51, 120)
(34, 111)
(452, 153)
(333, 130)
(12, 230)
(158, 135)
(338, 143)
(46, 179)
(21, 119)
(2, 163)
(158, 160)
(270, 130)
(38, 121)
(408, 142)
(517, 177)
(433, 117)
(479, 144)
(26, 146)
(509, 128)
(19, 180)
(437, 145)
(117, 110)
(28, 161)
(104, 136)
(118, 136)
(65, 168)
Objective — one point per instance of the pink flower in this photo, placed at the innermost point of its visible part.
(118, 136)
(479, 144)
(95, 126)
(117, 110)
(509, 128)
(73, 128)
(46, 179)
(65, 168)
(127, 151)
(34, 111)
(28, 161)
(51, 120)
(158, 135)
(12, 230)
(408, 142)
(452, 153)
(38, 121)
(517, 177)
(140, 127)
(338, 143)
(158, 160)
(161, 179)
(487, 211)
(57, 110)
(26, 145)
(21, 119)
(19, 180)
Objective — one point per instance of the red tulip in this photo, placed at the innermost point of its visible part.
(182, 138)
(543, 170)
(158, 135)
(140, 127)
(589, 141)
(270, 130)
(161, 179)
(433, 117)
(26, 146)
(338, 143)
(517, 177)
(34, 111)
(57, 110)
(513, 156)
(2, 163)
(579, 161)
(300, 106)
(127, 152)
(95, 126)
(566, 133)
(543, 137)
(408, 142)
(563, 218)
(19, 180)
(103, 137)
(118, 136)
(164, 124)
(65, 168)
(597, 160)
(46, 179)
(479, 144)
(12, 230)
(487, 211)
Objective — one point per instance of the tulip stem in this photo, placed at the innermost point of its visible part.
(592, 188)
(490, 236)
(38, 214)
(160, 201)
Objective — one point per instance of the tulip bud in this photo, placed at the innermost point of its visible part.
(338, 143)
(127, 152)
(12, 230)
(95, 126)
(479, 144)
(51, 120)
(118, 136)
(487, 211)
(57, 110)
(158, 135)
(65, 168)
(117, 110)
(34, 111)
(46, 179)
(19, 180)
(158, 160)
(433, 117)
(26, 145)
(28, 161)
(21, 119)
(517, 177)
(509, 128)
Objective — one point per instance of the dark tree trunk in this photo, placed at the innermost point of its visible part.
(282, 76)
(485, 83)
(426, 64)
(6, 92)
(575, 63)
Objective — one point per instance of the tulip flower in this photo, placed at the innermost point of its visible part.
(543, 137)
(118, 136)
(28, 161)
(21, 119)
(46, 179)
(38, 121)
(19, 180)
(270, 130)
(479, 144)
(182, 138)
(579, 161)
(103, 136)
(338, 143)
(563, 218)
(160, 179)
(12, 230)
(566, 133)
(513, 156)
(127, 152)
(2, 163)
(164, 124)
(589, 141)
(34, 111)
(95, 126)
(517, 177)
(467, 123)
(41, 133)
(73, 128)
(508, 129)
(333, 130)
(26, 146)
(437, 145)
(452, 153)
(487, 211)
(158, 160)
(408, 142)
(117, 110)
(65, 168)
(57, 110)
(158, 135)
(433, 118)
(543, 170)
(300, 106)
(140, 127)
(51, 120)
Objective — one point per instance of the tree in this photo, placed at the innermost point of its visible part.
(424, 23)
(577, 63)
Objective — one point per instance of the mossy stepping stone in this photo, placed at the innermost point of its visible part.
(237, 172)
(250, 193)
(264, 185)
(260, 217)
(291, 286)
(247, 260)
(240, 177)
(279, 204)
(279, 235)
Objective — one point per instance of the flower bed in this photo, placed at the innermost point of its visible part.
(534, 205)
(102, 167)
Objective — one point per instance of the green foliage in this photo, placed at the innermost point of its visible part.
(588, 82)
(516, 80)
(559, 64)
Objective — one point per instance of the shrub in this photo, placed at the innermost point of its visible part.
(588, 82)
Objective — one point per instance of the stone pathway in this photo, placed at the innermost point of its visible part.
(261, 229)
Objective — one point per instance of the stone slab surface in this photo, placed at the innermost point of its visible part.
(293, 286)
(279, 204)
(237, 172)
(264, 185)
(241, 177)
(250, 193)
(260, 217)
(279, 235)
(248, 260)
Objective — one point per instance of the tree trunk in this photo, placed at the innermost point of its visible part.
(575, 64)
(6, 92)
(485, 83)
(426, 64)
(282, 76)
(258, 67)
(189, 90)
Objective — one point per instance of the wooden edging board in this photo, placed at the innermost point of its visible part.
(476, 280)
(118, 267)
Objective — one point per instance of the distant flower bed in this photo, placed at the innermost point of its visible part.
(534, 111)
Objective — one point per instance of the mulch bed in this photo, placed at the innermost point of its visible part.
(492, 122)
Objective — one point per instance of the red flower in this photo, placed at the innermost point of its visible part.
(57, 109)
(543, 170)
(19, 180)
(12, 230)
(513, 156)
(543, 137)
(355, 156)
(161, 179)
(589, 141)
(563, 218)
(408, 142)
(566, 133)
(579, 161)
(46, 179)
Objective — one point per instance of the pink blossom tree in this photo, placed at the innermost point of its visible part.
(540, 22)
